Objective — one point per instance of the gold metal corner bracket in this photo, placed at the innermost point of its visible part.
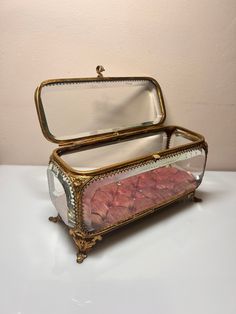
(84, 245)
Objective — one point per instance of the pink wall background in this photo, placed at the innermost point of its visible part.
(188, 46)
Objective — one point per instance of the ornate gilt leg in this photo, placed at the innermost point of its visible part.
(84, 245)
(55, 219)
(196, 199)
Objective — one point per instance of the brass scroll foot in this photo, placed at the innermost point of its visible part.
(196, 199)
(55, 219)
(84, 245)
(80, 257)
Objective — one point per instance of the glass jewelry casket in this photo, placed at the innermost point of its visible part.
(116, 161)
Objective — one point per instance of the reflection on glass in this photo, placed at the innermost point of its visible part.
(58, 195)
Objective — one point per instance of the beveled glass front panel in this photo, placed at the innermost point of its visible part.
(110, 200)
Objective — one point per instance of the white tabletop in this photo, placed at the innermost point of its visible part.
(181, 260)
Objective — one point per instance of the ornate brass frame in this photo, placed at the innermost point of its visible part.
(84, 239)
(43, 120)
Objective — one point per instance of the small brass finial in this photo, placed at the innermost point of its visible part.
(99, 70)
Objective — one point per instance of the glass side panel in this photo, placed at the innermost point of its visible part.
(62, 194)
(194, 165)
(117, 197)
(78, 109)
(121, 151)
(58, 195)
(179, 138)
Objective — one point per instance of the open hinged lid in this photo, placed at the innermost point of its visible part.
(75, 109)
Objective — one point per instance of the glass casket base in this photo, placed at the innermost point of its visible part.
(108, 204)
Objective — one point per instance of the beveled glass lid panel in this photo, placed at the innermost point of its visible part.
(73, 109)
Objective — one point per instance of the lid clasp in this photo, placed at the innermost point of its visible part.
(99, 70)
